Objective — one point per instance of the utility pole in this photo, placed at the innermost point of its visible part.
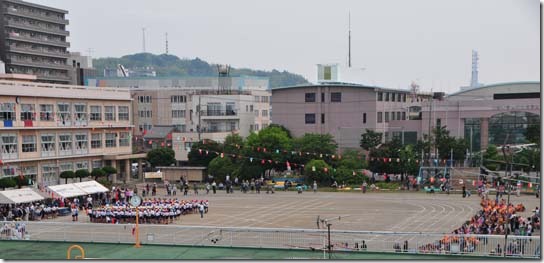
(143, 39)
(329, 247)
(199, 109)
(430, 109)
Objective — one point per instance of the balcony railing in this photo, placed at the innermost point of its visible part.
(38, 40)
(219, 113)
(40, 64)
(27, 26)
(37, 16)
(39, 52)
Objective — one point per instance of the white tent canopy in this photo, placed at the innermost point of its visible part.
(78, 189)
(91, 187)
(67, 190)
(17, 196)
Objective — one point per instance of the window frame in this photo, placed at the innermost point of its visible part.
(29, 146)
(309, 118)
(309, 97)
(336, 96)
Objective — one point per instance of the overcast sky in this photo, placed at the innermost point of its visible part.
(396, 41)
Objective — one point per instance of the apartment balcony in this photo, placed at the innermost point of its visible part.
(37, 64)
(217, 130)
(30, 27)
(220, 114)
(37, 40)
(38, 52)
(36, 16)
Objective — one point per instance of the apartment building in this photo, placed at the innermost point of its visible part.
(205, 113)
(46, 129)
(33, 40)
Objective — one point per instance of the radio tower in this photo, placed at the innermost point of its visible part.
(474, 77)
(143, 39)
(166, 36)
(349, 40)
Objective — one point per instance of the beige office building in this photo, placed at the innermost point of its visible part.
(46, 129)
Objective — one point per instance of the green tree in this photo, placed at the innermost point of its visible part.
(370, 139)
(283, 128)
(491, 154)
(66, 175)
(97, 172)
(322, 144)
(82, 173)
(22, 181)
(314, 170)
(247, 170)
(203, 152)
(532, 134)
(263, 145)
(7, 182)
(109, 170)
(233, 144)
(162, 156)
(530, 158)
(221, 167)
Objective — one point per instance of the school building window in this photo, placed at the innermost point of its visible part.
(309, 97)
(380, 96)
(386, 116)
(322, 118)
(46, 112)
(123, 113)
(364, 117)
(111, 140)
(309, 118)
(27, 112)
(29, 143)
(96, 140)
(96, 113)
(380, 117)
(7, 111)
(336, 96)
(109, 113)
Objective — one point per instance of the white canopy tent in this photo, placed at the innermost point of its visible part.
(91, 187)
(66, 190)
(18, 196)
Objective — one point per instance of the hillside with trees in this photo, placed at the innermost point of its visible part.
(172, 66)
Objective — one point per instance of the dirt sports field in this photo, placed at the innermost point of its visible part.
(373, 211)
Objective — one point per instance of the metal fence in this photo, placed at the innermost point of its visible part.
(313, 239)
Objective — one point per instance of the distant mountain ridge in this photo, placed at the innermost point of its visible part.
(169, 65)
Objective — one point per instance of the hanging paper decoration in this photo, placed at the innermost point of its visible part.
(150, 142)
(269, 161)
(320, 155)
(264, 150)
(207, 152)
(332, 156)
(354, 173)
(473, 183)
(398, 160)
(530, 185)
(222, 155)
(250, 159)
(277, 151)
(234, 156)
(200, 151)
(262, 161)
(384, 160)
(313, 168)
(258, 149)
(417, 161)
(432, 180)
(325, 169)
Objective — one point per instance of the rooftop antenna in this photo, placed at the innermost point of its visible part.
(349, 39)
(90, 51)
(166, 36)
(143, 39)
(474, 77)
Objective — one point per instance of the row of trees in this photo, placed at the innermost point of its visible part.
(83, 173)
(307, 156)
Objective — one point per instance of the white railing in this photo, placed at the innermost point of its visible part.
(354, 241)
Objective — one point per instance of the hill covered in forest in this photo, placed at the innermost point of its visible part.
(169, 65)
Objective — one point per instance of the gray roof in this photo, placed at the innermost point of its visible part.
(159, 132)
(339, 84)
(494, 85)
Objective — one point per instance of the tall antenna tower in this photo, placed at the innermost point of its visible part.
(166, 36)
(143, 39)
(349, 39)
(474, 77)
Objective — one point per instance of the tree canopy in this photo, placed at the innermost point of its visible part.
(162, 156)
(370, 139)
